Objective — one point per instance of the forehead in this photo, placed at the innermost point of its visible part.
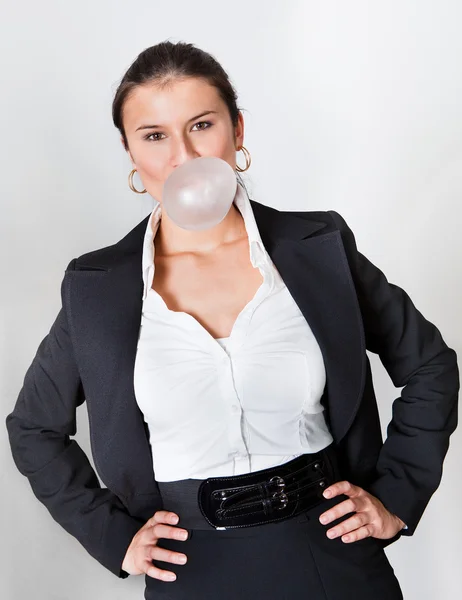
(179, 100)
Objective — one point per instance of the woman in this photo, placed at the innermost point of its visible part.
(227, 382)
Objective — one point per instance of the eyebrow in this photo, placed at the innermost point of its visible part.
(207, 112)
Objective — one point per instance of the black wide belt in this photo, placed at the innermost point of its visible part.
(272, 494)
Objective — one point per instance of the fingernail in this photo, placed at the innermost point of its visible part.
(331, 534)
(327, 494)
(170, 577)
(174, 519)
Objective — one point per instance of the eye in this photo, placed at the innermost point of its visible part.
(147, 137)
(204, 123)
(150, 139)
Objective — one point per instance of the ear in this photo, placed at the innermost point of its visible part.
(128, 152)
(239, 131)
(126, 149)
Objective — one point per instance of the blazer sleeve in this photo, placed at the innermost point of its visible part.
(59, 472)
(410, 463)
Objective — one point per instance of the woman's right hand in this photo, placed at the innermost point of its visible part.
(143, 548)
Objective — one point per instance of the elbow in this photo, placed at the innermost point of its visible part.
(453, 370)
(33, 446)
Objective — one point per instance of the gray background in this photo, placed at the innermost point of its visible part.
(353, 106)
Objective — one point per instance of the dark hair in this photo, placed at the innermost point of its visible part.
(165, 62)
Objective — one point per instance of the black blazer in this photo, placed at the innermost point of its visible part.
(89, 355)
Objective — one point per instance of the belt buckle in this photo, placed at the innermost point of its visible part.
(280, 494)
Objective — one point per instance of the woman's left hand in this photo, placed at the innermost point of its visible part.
(372, 519)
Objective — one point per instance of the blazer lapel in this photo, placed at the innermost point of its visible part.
(104, 301)
(315, 269)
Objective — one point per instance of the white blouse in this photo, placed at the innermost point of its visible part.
(220, 407)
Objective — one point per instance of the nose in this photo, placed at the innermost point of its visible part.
(182, 151)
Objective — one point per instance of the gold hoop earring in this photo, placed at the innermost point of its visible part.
(131, 184)
(248, 160)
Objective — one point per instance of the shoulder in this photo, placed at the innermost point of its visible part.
(331, 218)
(107, 256)
(311, 222)
(334, 221)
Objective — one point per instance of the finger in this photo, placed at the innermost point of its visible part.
(351, 524)
(157, 573)
(166, 531)
(339, 510)
(342, 487)
(163, 516)
(165, 555)
(358, 534)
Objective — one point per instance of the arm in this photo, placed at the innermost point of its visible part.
(410, 463)
(59, 472)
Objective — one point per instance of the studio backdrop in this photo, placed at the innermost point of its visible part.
(351, 106)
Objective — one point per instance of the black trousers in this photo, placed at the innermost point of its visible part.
(286, 560)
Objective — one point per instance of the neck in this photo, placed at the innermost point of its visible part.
(171, 239)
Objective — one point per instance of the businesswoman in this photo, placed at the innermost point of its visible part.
(232, 413)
